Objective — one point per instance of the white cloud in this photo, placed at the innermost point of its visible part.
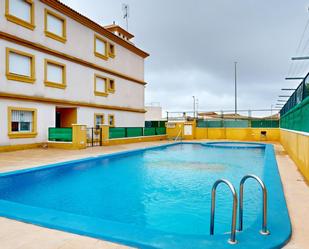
(193, 45)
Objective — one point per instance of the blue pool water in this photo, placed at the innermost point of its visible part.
(154, 198)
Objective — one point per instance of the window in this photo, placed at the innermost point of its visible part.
(111, 120)
(20, 12)
(100, 85)
(100, 47)
(55, 74)
(111, 85)
(55, 26)
(22, 122)
(111, 50)
(98, 120)
(20, 66)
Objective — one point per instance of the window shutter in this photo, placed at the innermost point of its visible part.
(20, 64)
(22, 116)
(100, 85)
(54, 73)
(20, 9)
(55, 25)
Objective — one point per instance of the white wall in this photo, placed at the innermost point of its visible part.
(154, 113)
(80, 82)
(85, 116)
(80, 42)
(80, 79)
(45, 119)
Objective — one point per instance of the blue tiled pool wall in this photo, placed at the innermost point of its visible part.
(154, 239)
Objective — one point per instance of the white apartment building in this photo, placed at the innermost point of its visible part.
(60, 68)
(153, 112)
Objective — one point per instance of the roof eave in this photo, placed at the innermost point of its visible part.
(66, 10)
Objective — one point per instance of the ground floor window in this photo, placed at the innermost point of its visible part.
(21, 122)
(111, 120)
(98, 120)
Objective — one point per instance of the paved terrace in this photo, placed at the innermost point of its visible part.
(18, 235)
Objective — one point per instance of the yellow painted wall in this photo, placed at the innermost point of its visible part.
(214, 133)
(297, 146)
(201, 133)
(178, 130)
(105, 134)
(79, 133)
(250, 134)
(175, 131)
(61, 145)
(8, 148)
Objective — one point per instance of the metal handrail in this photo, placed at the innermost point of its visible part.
(232, 239)
(178, 135)
(264, 230)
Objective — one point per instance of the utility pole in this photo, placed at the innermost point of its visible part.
(193, 106)
(271, 115)
(196, 107)
(235, 68)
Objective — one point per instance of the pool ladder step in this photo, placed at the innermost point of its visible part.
(232, 239)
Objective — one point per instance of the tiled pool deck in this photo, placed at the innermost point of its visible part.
(18, 235)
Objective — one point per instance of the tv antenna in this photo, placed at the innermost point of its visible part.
(126, 14)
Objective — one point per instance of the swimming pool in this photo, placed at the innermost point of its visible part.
(153, 198)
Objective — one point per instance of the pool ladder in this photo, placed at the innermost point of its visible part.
(178, 136)
(232, 239)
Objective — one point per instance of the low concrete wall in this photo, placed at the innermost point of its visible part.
(8, 148)
(175, 129)
(62, 145)
(297, 145)
(79, 141)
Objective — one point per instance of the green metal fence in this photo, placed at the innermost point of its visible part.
(116, 132)
(297, 118)
(60, 134)
(265, 123)
(122, 132)
(160, 131)
(255, 123)
(299, 95)
(149, 131)
(155, 124)
(134, 132)
(236, 123)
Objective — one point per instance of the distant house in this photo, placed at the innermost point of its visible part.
(215, 115)
(153, 112)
